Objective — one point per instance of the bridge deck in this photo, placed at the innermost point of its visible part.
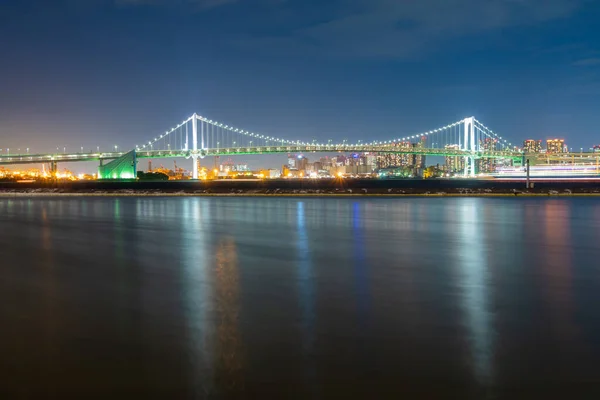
(232, 151)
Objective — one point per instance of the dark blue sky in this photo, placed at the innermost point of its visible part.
(105, 72)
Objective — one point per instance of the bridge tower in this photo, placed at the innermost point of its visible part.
(469, 145)
(195, 146)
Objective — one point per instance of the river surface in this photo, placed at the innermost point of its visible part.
(300, 298)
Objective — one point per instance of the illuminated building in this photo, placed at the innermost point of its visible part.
(229, 166)
(325, 163)
(532, 146)
(454, 164)
(486, 165)
(301, 163)
(291, 162)
(371, 160)
(241, 168)
(389, 160)
(556, 146)
(419, 160)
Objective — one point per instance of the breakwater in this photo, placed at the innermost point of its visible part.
(307, 187)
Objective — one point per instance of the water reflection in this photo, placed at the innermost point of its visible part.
(231, 298)
(46, 237)
(228, 368)
(361, 265)
(475, 288)
(118, 232)
(305, 279)
(306, 292)
(558, 267)
(198, 291)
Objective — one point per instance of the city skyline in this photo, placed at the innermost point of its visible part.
(105, 75)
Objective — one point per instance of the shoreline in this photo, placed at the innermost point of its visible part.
(290, 188)
(4, 195)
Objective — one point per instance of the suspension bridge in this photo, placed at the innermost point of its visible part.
(198, 137)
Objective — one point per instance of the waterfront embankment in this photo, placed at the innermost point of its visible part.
(285, 187)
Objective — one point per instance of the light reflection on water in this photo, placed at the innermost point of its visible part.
(474, 282)
(310, 298)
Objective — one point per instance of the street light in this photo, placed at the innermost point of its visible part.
(116, 149)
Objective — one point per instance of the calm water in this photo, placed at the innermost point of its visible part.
(300, 298)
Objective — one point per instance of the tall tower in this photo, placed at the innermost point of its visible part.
(195, 146)
(469, 145)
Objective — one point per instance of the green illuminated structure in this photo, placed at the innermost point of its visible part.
(123, 167)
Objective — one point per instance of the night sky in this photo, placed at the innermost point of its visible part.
(106, 72)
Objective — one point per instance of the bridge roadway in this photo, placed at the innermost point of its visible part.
(6, 159)
(79, 157)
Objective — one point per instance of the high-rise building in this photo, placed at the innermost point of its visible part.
(556, 146)
(486, 165)
(291, 161)
(371, 160)
(419, 160)
(388, 160)
(532, 146)
(301, 163)
(454, 164)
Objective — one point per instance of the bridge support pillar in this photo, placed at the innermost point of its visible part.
(195, 146)
(53, 168)
(469, 145)
(194, 166)
(469, 166)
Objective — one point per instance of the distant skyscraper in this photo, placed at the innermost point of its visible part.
(371, 159)
(301, 162)
(555, 146)
(419, 160)
(454, 164)
(486, 165)
(291, 161)
(388, 160)
(532, 146)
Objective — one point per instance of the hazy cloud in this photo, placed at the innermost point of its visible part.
(395, 28)
(586, 62)
(190, 3)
